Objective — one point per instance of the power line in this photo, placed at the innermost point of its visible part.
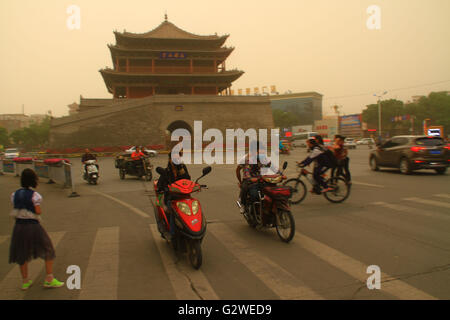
(389, 90)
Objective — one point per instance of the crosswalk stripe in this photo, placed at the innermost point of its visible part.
(411, 210)
(3, 239)
(445, 196)
(100, 280)
(126, 205)
(280, 281)
(367, 184)
(357, 269)
(182, 278)
(429, 202)
(10, 285)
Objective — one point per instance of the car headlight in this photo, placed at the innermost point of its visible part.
(195, 207)
(184, 208)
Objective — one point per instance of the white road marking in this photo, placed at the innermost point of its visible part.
(445, 196)
(411, 210)
(280, 281)
(180, 275)
(101, 278)
(367, 184)
(429, 202)
(357, 269)
(126, 205)
(11, 284)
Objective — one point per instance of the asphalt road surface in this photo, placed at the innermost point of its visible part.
(399, 223)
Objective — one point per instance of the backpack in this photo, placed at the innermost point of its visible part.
(328, 158)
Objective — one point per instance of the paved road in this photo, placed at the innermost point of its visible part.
(399, 223)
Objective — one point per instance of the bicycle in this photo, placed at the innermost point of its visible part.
(340, 188)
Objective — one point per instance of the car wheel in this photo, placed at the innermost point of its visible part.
(374, 164)
(440, 170)
(405, 167)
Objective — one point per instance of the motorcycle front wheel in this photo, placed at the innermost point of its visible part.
(285, 225)
(195, 253)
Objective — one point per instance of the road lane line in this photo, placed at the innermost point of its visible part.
(357, 269)
(367, 184)
(411, 210)
(445, 196)
(3, 239)
(127, 205)
(182, 278)
(10, 285)
(429, 202)
(101, 277)
(279, 280)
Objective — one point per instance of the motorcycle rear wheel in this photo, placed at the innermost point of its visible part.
(195, 253)
(285, 225)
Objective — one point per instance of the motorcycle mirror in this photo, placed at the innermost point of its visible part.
(285, 165)
(206, 170)
(161, 171)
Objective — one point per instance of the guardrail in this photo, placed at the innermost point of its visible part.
(55, 170)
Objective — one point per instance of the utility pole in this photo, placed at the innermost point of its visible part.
(379, 112)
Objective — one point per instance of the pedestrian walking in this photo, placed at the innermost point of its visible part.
(29, 240)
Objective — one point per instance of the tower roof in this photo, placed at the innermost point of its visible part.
(167, 30)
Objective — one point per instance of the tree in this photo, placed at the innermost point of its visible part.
(284, 119)
(36, 135)
(4, 139)
(389, 109)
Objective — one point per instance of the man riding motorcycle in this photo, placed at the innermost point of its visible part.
(175, 170)
(251, 166)
(87, 156)
(137, 154)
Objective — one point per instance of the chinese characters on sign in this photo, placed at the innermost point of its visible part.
(172, 55)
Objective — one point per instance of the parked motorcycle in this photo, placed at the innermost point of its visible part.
(272, 209)
(90, 173)
(190, 222)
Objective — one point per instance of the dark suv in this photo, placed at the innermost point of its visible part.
(410, 153)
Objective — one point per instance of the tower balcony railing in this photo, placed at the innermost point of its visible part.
(167, 69)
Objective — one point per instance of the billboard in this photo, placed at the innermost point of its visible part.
(350, 125)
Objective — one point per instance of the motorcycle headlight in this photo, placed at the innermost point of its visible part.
(195, 207)
(183, 207)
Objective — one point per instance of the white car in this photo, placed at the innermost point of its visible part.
(12, 153)
(350, 143)
(366, 141)
(148, 152)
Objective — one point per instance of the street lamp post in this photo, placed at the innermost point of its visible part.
(379, 111)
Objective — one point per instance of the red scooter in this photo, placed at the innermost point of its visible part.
(190, 223)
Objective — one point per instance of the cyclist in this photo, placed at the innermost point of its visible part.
(317, 156)
(341, 153)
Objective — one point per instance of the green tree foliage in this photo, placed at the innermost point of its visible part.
(435, 107)
(4, 139)
(284, 119)
(34, 136)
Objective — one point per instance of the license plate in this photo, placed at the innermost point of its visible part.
(435, 152)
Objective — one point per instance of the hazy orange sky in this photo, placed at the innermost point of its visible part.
(298, 45)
